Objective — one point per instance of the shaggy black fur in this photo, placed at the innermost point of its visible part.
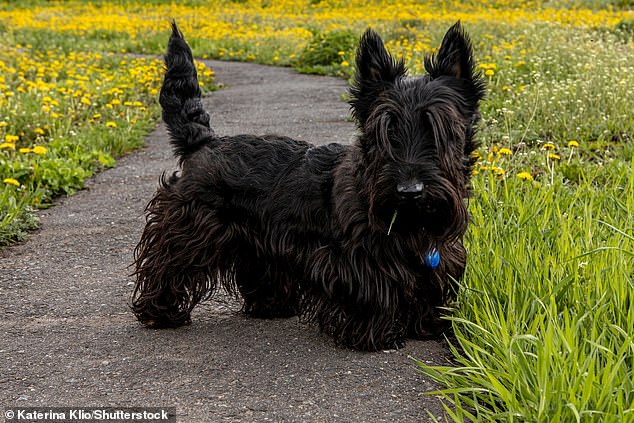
(337, 234)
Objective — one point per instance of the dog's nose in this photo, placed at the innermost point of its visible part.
(410, 189)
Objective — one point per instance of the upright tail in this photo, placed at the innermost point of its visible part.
(180, 98)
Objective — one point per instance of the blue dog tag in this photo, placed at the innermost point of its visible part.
(432, 259)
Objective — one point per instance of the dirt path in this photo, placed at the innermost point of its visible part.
(67, 337)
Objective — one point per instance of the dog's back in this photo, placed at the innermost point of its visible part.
(262, 173)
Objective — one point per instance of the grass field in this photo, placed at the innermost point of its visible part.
(545, 318)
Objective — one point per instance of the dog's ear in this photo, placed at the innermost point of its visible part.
(374, 63)
(376, 70)
(455, 56)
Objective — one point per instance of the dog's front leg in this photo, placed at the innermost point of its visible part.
(355, 301)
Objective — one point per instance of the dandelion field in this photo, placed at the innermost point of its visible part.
(544, 325)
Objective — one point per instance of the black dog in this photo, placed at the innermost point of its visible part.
(365, 240)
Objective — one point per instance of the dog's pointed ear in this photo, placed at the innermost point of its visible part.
(374, 63)
(376, 69)
(455, 56)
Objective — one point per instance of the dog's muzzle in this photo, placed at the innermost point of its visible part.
(410, 190)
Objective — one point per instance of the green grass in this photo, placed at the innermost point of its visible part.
(543, 331)
(17, 217)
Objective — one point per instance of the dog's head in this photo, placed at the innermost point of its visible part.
(417, 134)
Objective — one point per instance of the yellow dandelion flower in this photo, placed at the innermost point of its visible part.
(24, 150)
(525, 176)
(7, 145)
(96, 116)
(85, 101)
(39, 149)
(345, 64)
(554, 156)
(39, 131)
(11, 138)
(548, 146)
(489, 72)
(111, 124)
(505, 151)
(573, 144)
(11, 181)
(3, 124)
(115, 101)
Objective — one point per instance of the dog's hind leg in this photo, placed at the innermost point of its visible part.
(175, 268)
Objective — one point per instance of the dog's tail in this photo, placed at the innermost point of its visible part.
(180, 98)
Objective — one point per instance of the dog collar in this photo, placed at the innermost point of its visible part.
(432, 258)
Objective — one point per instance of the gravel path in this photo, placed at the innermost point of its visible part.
(67, 337)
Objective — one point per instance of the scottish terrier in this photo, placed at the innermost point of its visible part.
(365, 240)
